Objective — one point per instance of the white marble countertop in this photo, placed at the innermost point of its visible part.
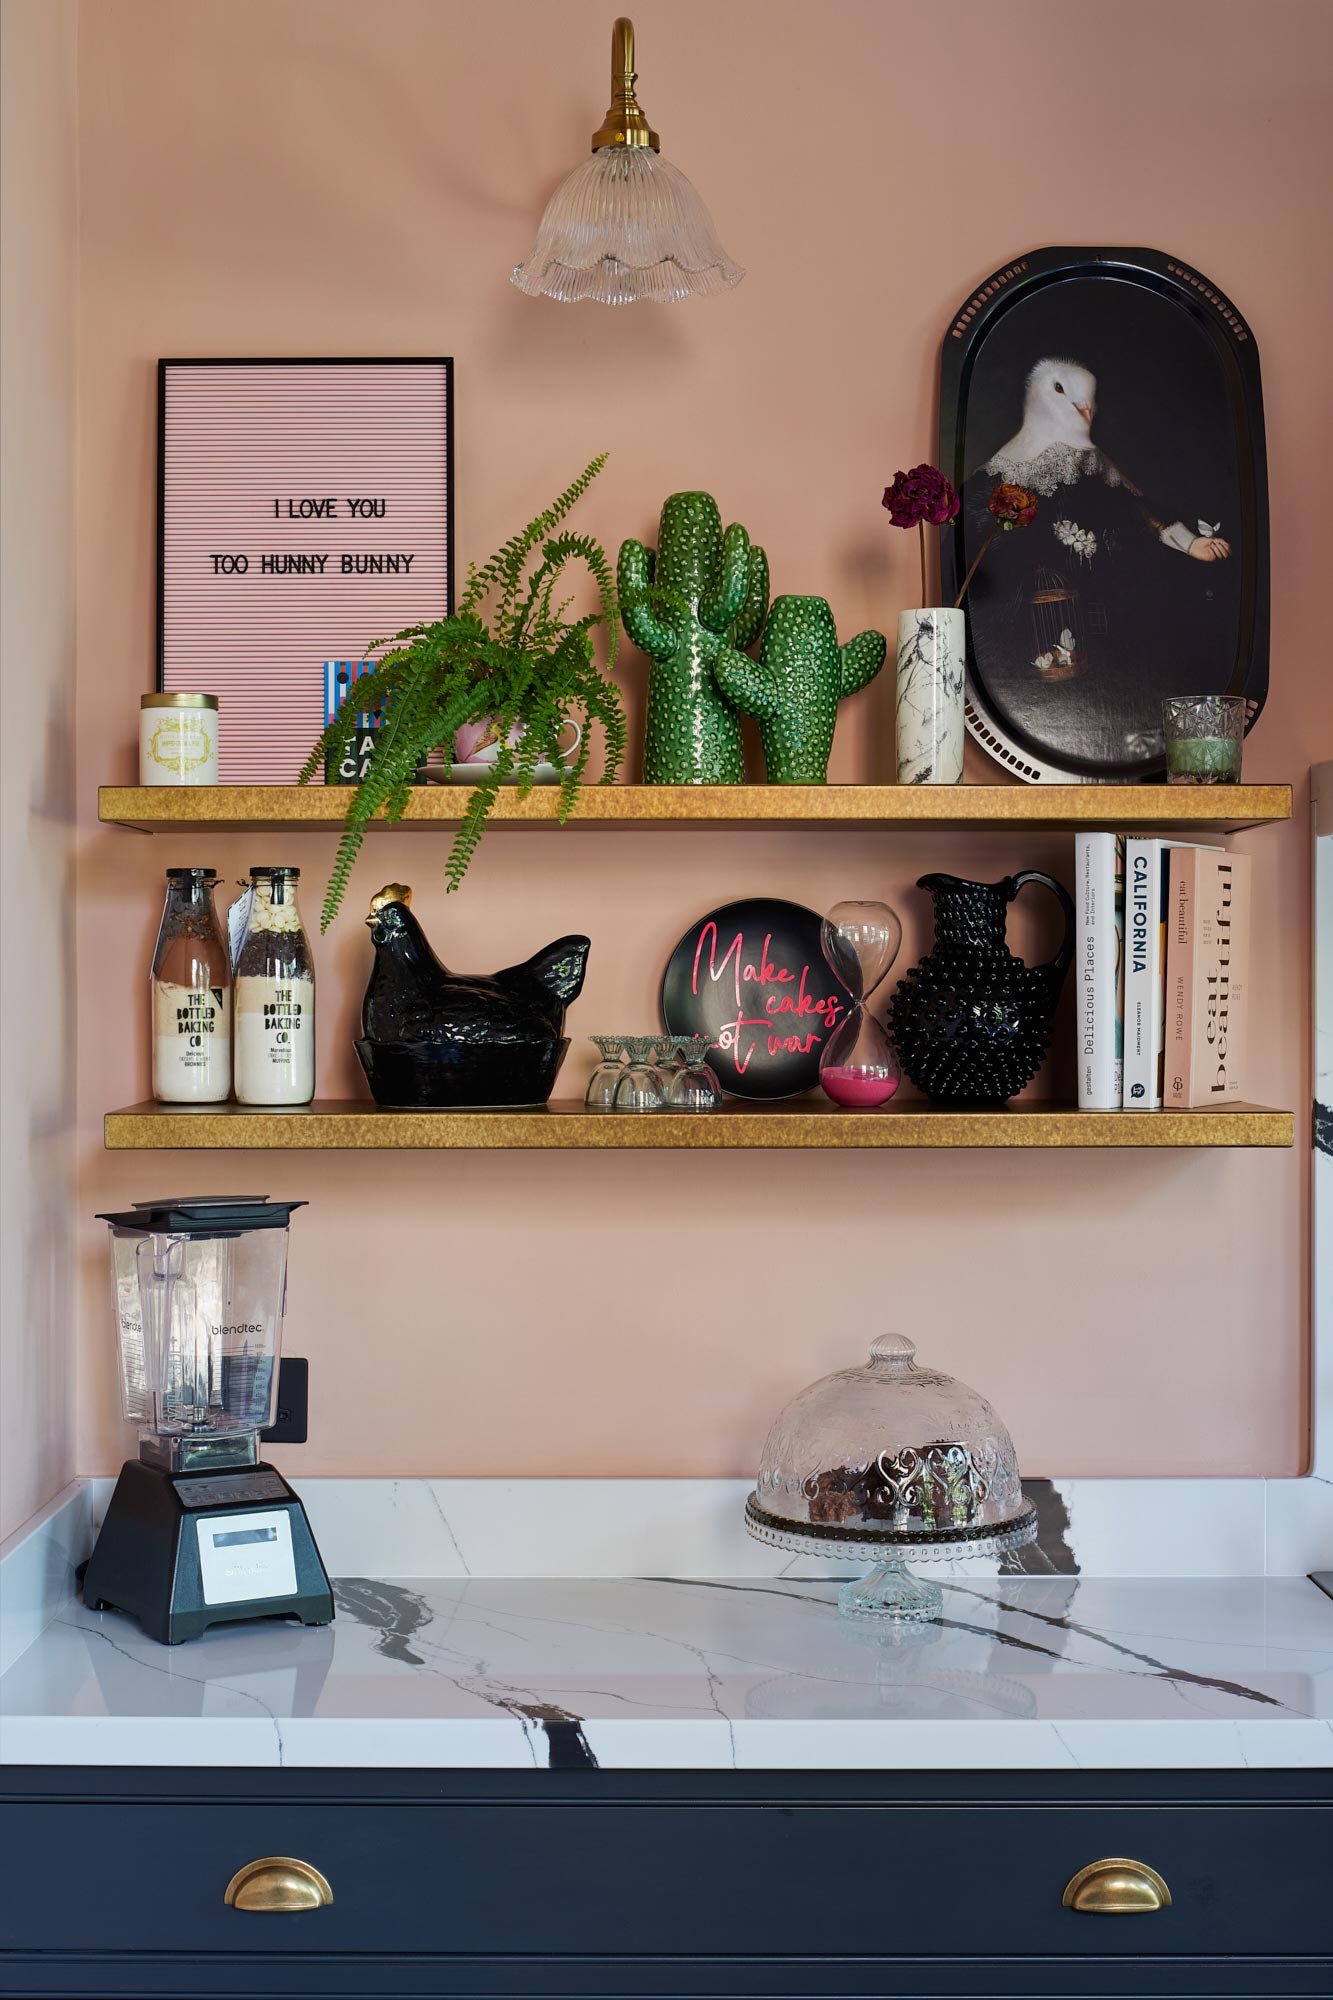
(759, 1673)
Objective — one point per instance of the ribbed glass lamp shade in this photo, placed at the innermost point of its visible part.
(625, 225)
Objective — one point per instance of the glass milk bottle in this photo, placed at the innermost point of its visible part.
(274, 993)
(191, 995)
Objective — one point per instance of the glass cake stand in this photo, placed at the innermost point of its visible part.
(890, 1464)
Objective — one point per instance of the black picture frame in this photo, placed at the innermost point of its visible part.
(167, 364)
(1035, 732)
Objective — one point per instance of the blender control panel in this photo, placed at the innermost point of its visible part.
(230, 1489)
(246, 1556)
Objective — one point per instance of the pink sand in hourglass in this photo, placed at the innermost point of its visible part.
(856, 1086)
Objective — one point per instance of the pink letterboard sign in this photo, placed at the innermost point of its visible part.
(305, 509)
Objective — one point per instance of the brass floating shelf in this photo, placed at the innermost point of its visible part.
(841, 808)
(793, 1123)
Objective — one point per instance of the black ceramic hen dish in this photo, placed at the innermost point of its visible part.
(447, 1041)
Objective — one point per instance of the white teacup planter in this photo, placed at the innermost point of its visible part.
(477, 746)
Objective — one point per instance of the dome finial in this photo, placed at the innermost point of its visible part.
(893, 1347)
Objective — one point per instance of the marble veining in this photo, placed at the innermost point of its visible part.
(748, 1673)
(930, 691)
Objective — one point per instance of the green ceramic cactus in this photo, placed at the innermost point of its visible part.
(714, 590)
(795, 685)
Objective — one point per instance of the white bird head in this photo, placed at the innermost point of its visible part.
(1060, 403)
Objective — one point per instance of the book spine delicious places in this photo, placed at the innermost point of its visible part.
(1147, 898)
(1099, 862)
(1207, 976)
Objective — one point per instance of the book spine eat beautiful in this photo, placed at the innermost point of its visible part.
(1099, 868)
(1207, 973)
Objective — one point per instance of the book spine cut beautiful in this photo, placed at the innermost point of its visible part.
(1118, 967)
(1147, 902)
(1099, 861)
(1221, 978)
(1180, 938)
(1144, 918)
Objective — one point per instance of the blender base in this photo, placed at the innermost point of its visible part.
(183, 1551)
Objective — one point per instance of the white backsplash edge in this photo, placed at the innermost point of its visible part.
(695, 1527)
(400, 1528)
(37, 1565)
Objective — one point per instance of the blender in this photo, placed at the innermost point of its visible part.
(200, 1531)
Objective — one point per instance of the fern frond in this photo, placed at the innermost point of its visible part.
(528, 667)
(507, 563)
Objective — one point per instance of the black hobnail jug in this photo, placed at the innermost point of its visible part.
(971, 1022)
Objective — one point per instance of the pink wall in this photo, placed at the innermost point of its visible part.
(38, 299)
(318, 176)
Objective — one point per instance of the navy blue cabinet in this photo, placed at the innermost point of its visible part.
(603, 1883)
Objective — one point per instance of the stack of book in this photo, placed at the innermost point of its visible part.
(1163, 972)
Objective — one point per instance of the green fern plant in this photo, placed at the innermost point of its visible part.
(527, 664)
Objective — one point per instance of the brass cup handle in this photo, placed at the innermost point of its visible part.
(1116, 1887)
(278, 1883)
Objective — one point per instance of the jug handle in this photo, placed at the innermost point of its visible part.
(1060, 963)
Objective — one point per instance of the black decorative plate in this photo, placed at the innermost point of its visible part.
(1122, 390)
(753, 978)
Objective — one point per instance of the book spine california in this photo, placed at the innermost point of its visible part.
(1099, 860)
(1144, 915)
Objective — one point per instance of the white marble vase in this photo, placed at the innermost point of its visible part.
(930, 696)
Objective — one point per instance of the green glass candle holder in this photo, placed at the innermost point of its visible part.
(1204, 736)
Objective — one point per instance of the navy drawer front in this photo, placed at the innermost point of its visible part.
(845, 1879)
(358, 1976)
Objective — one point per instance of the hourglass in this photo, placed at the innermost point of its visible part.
(857, 1067)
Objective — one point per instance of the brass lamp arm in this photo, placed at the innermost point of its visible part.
(624, 124)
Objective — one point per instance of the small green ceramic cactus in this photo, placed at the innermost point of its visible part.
(719, 584)
(795, 685)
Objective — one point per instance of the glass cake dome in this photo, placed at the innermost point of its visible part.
(890, 1461)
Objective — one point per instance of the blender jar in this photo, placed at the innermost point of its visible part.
(200, 1289)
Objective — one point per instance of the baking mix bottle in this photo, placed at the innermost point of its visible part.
(191, 995)
(274, 992)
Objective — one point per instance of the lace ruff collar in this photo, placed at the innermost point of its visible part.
(1058, 465)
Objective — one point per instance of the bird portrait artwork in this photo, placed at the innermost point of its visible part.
(1110, 585)
(1054, 448)
(1120, 391)
(440, 1039)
